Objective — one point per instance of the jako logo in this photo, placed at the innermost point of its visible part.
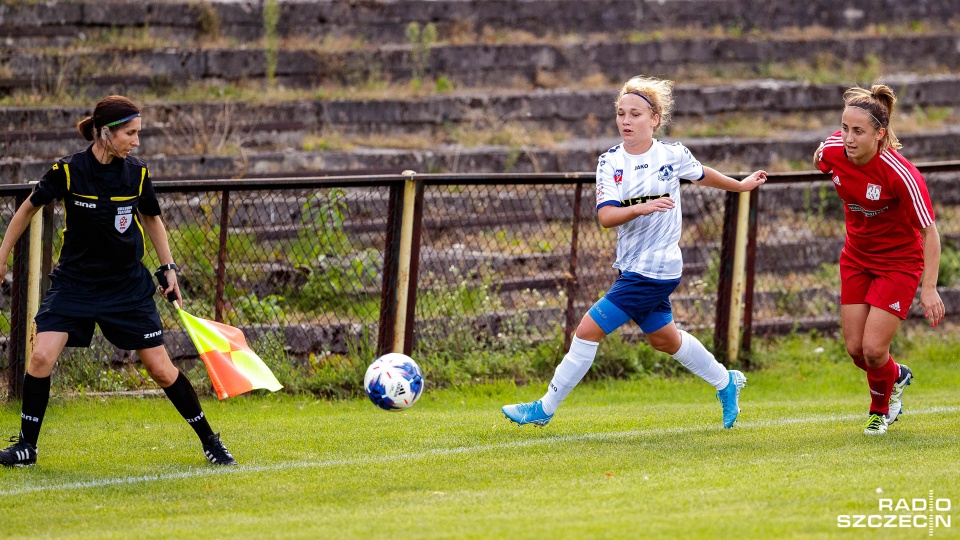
(915, 513)
(644, 166)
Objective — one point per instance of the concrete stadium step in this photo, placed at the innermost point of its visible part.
(60, 22)
(506, 65)
(49, 132)
(575, 155)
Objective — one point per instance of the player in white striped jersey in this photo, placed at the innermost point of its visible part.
(892, 244)
(638, 190)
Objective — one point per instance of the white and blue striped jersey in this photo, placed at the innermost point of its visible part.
(648, 245)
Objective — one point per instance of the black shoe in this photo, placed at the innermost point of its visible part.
(216, 452)
(21, 454)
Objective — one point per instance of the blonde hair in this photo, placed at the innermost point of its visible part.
(658, 93)
(878, 102)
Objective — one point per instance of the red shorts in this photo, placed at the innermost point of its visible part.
(890, 290)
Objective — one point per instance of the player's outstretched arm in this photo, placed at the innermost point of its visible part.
(716, 179)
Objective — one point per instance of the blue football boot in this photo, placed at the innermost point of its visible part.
(527, 413)
(729, 397)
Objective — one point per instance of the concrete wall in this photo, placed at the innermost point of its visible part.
(386, 20)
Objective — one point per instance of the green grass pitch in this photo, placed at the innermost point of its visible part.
(624, 459)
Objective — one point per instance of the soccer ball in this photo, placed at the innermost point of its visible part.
(393, 382)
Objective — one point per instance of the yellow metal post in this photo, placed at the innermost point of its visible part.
(406, 251)
(739, 276)
(33, 282)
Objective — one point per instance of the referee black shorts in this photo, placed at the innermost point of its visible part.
(125, 312)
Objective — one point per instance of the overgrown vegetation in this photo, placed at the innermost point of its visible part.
(208, 20)
(463, 359)
(271, 16)
(421, 41)
(949, 273)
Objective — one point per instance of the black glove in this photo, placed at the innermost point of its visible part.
(161, 276)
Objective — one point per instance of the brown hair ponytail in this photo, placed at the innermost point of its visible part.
(879, 102)
(106, 114)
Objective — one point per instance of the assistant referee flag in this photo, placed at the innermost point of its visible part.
(233, 367)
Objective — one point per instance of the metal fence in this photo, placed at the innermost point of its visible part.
(319, 262)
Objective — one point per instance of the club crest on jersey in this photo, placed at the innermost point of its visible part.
(124, 218)
(666, 173)
(618, 176)
(873, 192)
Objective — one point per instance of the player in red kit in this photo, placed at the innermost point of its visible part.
(892, 244)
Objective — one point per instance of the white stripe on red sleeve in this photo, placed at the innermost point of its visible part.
(919, 205)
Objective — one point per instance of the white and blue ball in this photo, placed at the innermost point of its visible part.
(393, 382)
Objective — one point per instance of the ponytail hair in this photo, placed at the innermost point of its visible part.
(879, 102)
(112, 112)
(85, 127)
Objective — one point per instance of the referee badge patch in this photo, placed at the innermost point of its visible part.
(123, 219)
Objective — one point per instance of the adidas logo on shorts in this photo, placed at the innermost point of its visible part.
(895, 305)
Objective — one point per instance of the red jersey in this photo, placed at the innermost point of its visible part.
(886, 204)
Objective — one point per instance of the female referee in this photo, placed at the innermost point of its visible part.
(109, 203)
(892, 244)
(638, 189)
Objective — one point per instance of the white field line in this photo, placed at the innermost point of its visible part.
(379, 459)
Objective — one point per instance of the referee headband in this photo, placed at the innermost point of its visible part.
(122, 120)
(643, 97)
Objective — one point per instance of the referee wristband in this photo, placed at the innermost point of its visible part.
(171, 266)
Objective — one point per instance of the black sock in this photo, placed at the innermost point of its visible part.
(185, 399)
(36, 394)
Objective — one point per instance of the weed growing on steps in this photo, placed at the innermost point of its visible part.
(421, 41)
(271, 16)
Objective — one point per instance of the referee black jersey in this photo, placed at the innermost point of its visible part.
(103, 240)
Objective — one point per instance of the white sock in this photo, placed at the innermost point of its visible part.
(573, 367)
(695, 357)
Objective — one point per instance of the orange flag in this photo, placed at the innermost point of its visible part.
(233, 367)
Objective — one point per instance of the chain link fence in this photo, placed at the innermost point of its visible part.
(504, 262)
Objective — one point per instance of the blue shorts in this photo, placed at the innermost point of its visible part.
(637, 297)
(126, 313)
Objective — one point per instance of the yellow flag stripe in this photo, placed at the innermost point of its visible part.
(205, 338)
(259, 375)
